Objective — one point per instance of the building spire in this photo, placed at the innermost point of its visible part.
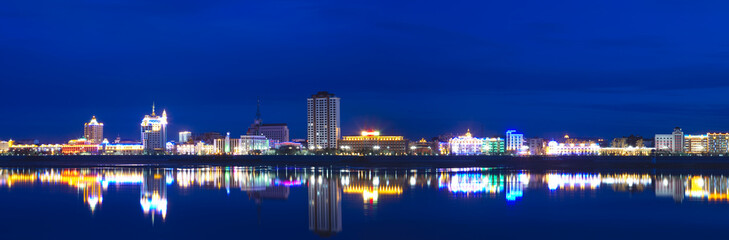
(152, 108)
(258, 110)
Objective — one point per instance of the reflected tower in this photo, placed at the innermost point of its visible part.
(153, 196)
(325, 206)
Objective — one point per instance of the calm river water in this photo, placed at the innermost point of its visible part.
(361, 203)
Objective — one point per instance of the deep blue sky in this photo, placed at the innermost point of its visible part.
(417, 68)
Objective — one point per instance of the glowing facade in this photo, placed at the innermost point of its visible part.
(582, 149)
(371, 141)
(514, 142)
(122, 148)
(323, 123)
(4, 146)
(696, 144)
(626, 151)
(184, 136)
(94, 131)
(154, 132)
(469, 145)
(718, 143)
(80, 146)
(465, 145)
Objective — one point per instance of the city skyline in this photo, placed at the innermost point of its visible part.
(478, 130)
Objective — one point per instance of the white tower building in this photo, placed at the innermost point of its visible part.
(154, 132)
(323, 123)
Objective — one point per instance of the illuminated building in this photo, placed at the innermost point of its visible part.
(469, 145)
(423, 147)
(465, 145)
(94, 131)
(275, 132)
(223, 146)
(80, 146)
(199, 148)
(153, 196)
(4, 146)
(325, 206)
(323, 123)
(514, 142)
(537, 146)
(123, 148)
(672, 143)
(626, 151)
(372, 142)
(248, 144)
(696, 144)
(154, 132)
(581, 149)
(718, 143)
(185, 136)
(493, 146)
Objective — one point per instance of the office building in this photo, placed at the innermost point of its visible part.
(672, 143)
(184, 137)
(372, 142)
(154, 132)
(537, 146)
(274, 132)
(565, 149)
(696, 144)
(514, 142)
(718, 143)
(248, 144)
(323, 121)
(94, 131)
(493, 146)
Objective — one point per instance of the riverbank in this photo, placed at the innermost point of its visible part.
(594, 163)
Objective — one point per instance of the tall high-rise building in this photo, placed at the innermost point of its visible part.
(154, 132)
(94, 131)
(323, 123)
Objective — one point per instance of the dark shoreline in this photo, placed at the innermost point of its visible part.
(595, 163)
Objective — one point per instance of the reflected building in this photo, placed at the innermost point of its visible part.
(325, 205)
(270, 193)
(153, 196)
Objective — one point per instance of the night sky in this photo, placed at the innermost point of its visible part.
(413, 68)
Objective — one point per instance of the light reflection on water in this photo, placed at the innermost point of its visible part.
(326, 188)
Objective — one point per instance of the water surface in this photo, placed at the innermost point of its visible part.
(360, 203)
